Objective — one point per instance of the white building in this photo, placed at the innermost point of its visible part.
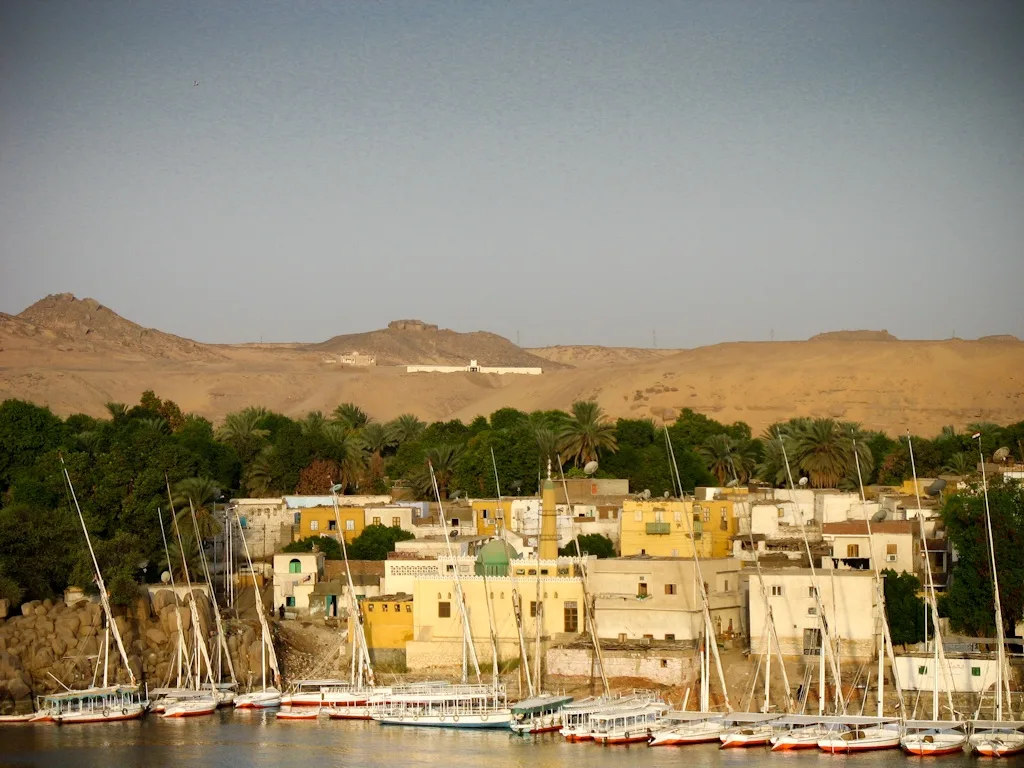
(848, 598)
(391, 515)
(838, 507)
(401, 573)
(893, 544)
(295, 576)
(267, 524)
(658, 598)
(967, 674)
(473, 367)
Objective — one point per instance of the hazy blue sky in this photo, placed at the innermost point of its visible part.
(582, 172)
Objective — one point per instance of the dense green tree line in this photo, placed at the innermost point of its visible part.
(122, 465)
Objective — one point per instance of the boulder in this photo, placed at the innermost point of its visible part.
(156, 636)
(5, 607)
(18, 690)
(41, 610)
(59, 647)
(29, 608)
(44, 627)
(47, 604)
(141, 609)
(89, 646)
(70, 622)
(161, 599)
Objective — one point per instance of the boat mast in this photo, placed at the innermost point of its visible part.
(222, 643)
(826, 635)
(467, 633)
(359, 636)
(711, 636)
(104, 600)
(588, 614)
(1001, 649)
(267, 646)
(487, 594)
(517, 607)
(177, 607)
(886, 639)
(938, 652)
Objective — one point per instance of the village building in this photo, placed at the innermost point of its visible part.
(296, 574)
(388, 625)
(669, 528)
(893, 545)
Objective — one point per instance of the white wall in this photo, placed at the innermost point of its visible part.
(387, 515)
(263, 520)
(840, 507)
(875, 547)
(298, 585)
(960, 674)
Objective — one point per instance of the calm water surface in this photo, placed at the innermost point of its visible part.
(233, 739)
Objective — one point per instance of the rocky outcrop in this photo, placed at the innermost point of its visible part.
(48, 640)
(411, 325)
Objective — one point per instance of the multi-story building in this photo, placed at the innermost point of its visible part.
(669, 528)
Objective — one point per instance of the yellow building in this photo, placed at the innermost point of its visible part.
(660, 528)
(488, 513)
(388, 625)
(321, 521)
(438, 632)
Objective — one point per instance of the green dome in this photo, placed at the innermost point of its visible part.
(494, 557)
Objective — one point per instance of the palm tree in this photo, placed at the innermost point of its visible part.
(202, 492)
(547, 445)
(242, 432)
(822, 452)
(772, 468)
(444, 459)
(351, 416)
(407, 428)
(117, 411)
(259, 475)
(156, 423)
(347, 450)
(962, 464)
(586, 433)
(723, 457)
(377, 437)
(89, 439)
(948, 432)
(172, 558)
(314, 423)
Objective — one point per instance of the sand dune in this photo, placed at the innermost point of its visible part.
(884, 384)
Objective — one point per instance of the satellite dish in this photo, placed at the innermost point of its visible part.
(646, 494)
(455, 495)
(1001, 454)
(936, 488)
(590, 468)
(878, 517)
(454, 533)
(666, 495)
(732, 483)
(165, 577)
(802, 482)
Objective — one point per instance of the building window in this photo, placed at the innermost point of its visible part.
(812, 592)
(707, 515)
(533, 609)
(641, 589)
(678, 516)
(398, 608)
(295, 566)
(890, 549)
(376, 521)
(670, 589)
(659, 516)
(444, 610)
(408, 608)
(812, 611)
(384, 607)
(638, 515)
(853, 550)
(369, 607)
(572, 617)
(670, 637)
(396, 522)
(350, 525)
(975, 671)
(664, 663)
(812, 642)
(776, 590)
(314, 525)
(922, 670)
(290, 601)
(725, 515)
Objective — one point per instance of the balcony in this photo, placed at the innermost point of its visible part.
(659, 529)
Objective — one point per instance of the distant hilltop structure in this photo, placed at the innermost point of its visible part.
(353, 358)
(473, 367)
(411, 325)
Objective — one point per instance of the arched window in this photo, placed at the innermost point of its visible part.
(295, 566)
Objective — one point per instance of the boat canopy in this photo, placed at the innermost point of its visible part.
(997, 725)
(321, 683)
(113, 690)
(796, 721)
(856, 720)
(693, 717)
(540, 704)
(750, 717)
(934, 725)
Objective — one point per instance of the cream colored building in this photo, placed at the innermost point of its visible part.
(848, 599)
(659, 598)
(437, 623)
(296, 574)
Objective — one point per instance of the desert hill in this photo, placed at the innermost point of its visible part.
(88, 325)
(854, 336)
(75, 356)
(412, 342)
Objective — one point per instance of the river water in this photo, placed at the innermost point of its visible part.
(232, 739)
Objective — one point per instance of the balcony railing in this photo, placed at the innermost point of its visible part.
(659, 529)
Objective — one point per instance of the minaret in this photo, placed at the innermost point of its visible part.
(547, 548)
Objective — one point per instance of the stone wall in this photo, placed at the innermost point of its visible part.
(51, 638)
(662, 666)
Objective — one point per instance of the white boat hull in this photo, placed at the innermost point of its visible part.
(997, 744)
(689, 733)
(755, 736)
(191, 708)
(806, 737)
(541, 724)
(933, 744)
(130, 712)
(258, 700)
(498, 719)
(865, 740)
(298, 713)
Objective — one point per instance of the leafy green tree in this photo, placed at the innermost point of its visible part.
(904, 610)
(969, 598)
(587, 433)
(38, 548)
(376, 542)
(27, 431)
(962, 464)
(242, 431)
(728, 459)
(507, 418)
(515, 455)
(444, 459)
(638, 433)
(330, 547)
(595, 544)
